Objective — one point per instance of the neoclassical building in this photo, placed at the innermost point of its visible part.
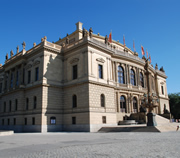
(79, 83)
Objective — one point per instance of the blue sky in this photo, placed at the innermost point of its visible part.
(153, 23)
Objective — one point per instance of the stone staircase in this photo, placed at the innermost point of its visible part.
(163, 125)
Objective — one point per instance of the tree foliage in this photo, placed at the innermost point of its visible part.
(174, 101)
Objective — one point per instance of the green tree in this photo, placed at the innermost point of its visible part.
(174, 101)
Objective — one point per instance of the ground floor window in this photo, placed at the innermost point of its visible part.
(123, 104)
(25, 121)
(104, 119)
(53, 120)
(33, 121)
(134, 105)
(73, 120)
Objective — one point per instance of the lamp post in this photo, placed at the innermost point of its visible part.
(150, 100)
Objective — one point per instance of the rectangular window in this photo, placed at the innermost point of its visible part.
(8, 121)
(33, 121)
(27, 103)
(100, 69)
(23, 75)
(75, 72)
(73, 120)
(16, 105)
(4, 106)
(29, 76)
(0, 87)
(11, 84)
(53, 120)
(14, 121)
(2, 121)
(162, 89)
(104, 119)
(10, 106)
(25, 121)
(17, 78)
(37, 74)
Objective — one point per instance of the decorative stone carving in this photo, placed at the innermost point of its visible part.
(84, 32)
(98, 34)
(67, 39)
(42, 39)
(34, 44)
(11, 52)
(24, 45)
(7, 56)
(156, 67)
(17, 49)
(106, 39)
(45, 38)
(36, 62)
(100, 60)
(28, 66)
(74, 60)
(162, 69)
(90, 32)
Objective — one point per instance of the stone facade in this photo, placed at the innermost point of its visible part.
(79, 83)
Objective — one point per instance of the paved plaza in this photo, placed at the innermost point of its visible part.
(91, 145)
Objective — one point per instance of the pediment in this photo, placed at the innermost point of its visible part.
(75, 60)
(100, 60)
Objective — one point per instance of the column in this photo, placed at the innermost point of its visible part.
(107, 59)
(115, 66)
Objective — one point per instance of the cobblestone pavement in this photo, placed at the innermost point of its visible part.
(91, 145)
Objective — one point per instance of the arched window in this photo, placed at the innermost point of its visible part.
(141, 79)
(134, 105)
(102, 100)
(132, 75)
(123, 104)
(74, 101)
(120, 74)
(53, 120)
(35, 102)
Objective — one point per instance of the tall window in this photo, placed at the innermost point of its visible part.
(104, 119)
(14, 121)
(135, 105)
(16, 105)
(102, 100)
(17, 78)
(0, 87)
(75, 72)
(120, 74)
(8, 121)
(11, 84)
(100, 69)
(33, 121)
(141, 79)
(10, 106)
(25, 121)
(27, 103)
(122, 104)
(74, 101)
(37, 74)
(73, 120)
(2, 121)
(4, 106)
(29, 76)
(162, 89)
(35, 102)
(132, 75)
(53, 120)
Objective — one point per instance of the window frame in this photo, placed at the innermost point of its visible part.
(74, 72)
(133, 77)
(102, 100)
(121, 75)
(100, 71)
(74, 101)
(123, 107)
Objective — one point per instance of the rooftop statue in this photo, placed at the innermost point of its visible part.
(67, 39)
(90, 32)
(106, 39)
(7, 56)
(84, 32)
(11, 52)
(24, 45)
(17, 49)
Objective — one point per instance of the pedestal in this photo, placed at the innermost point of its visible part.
(151, 120)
